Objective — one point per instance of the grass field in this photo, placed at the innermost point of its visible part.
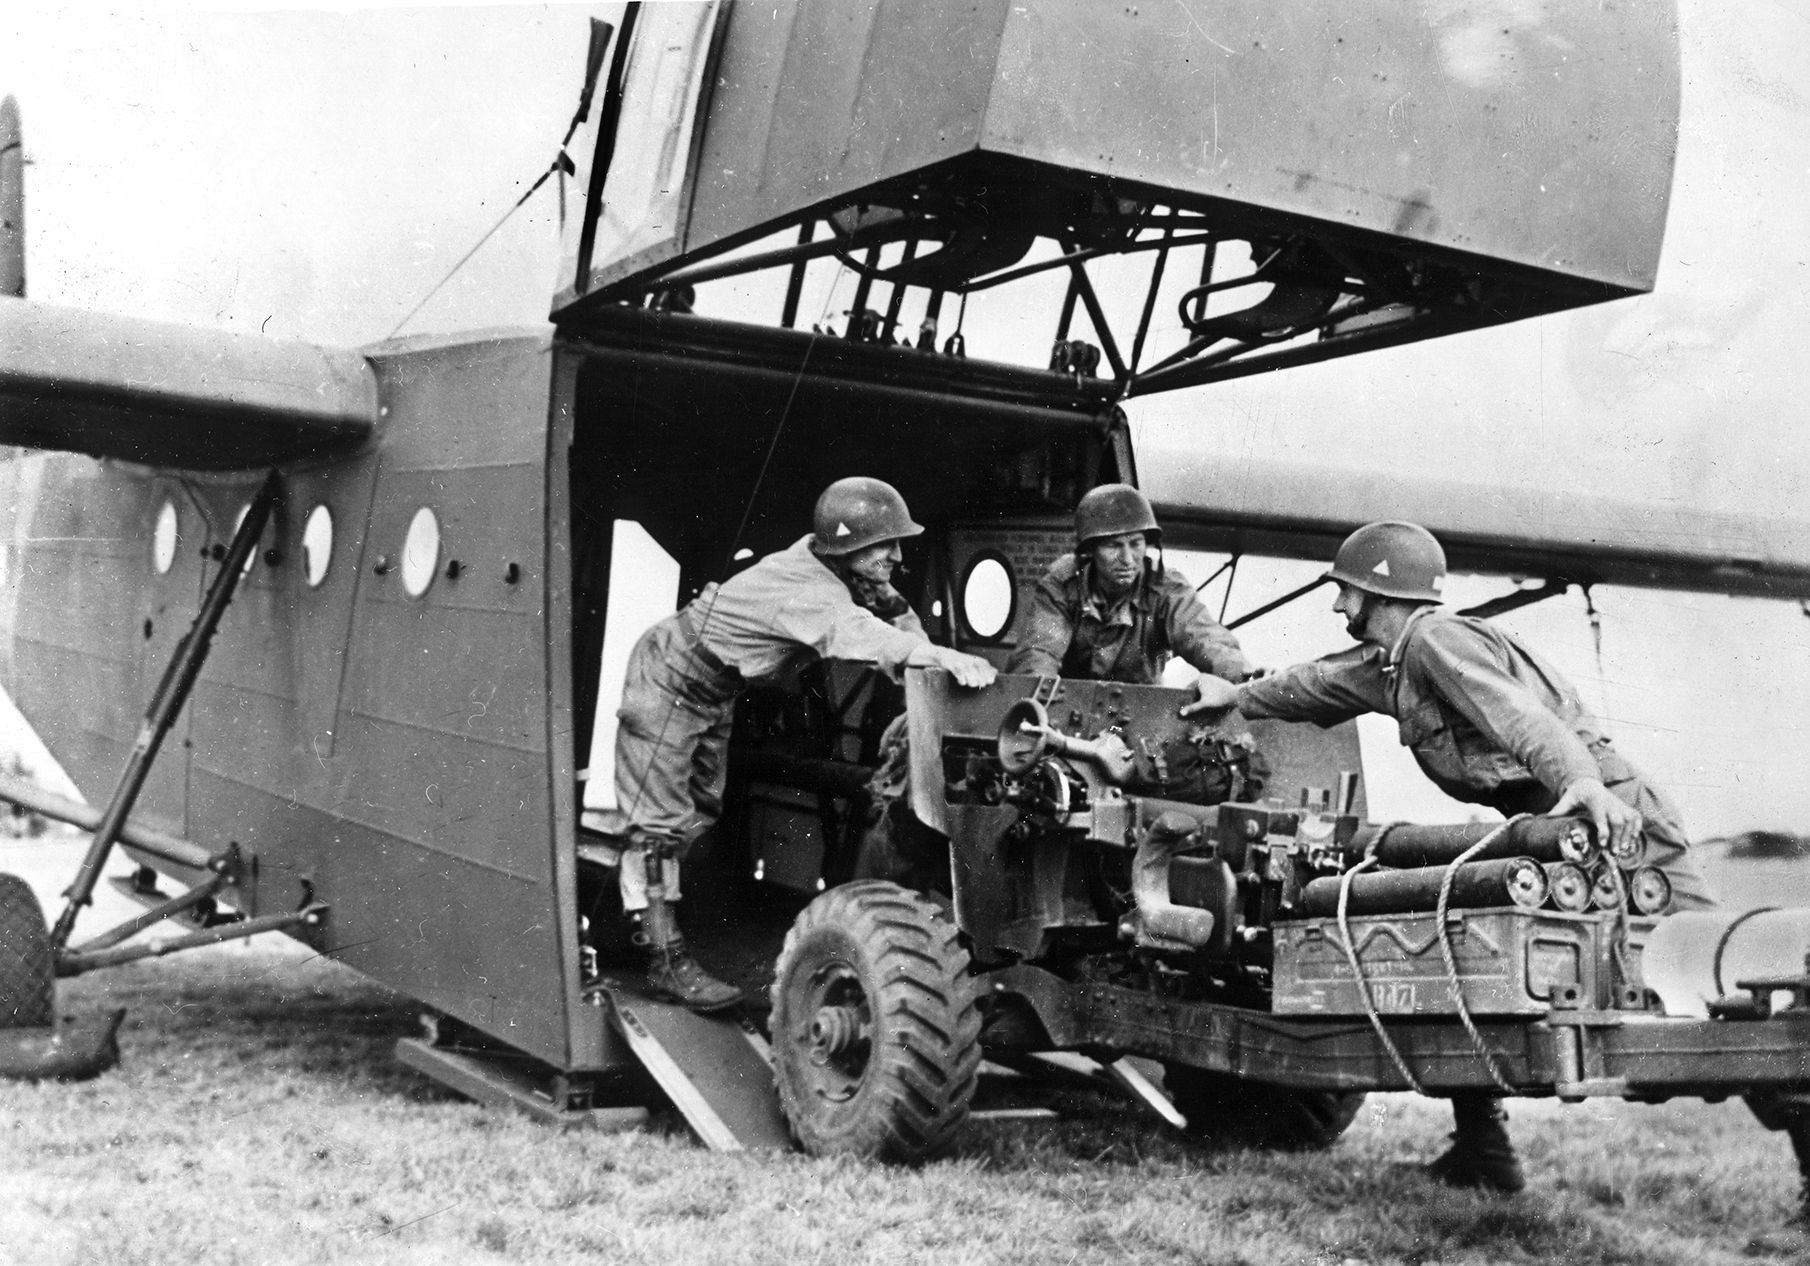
(257, 1116)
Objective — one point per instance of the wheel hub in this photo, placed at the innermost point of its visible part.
(837, 1034)
(837, 1030)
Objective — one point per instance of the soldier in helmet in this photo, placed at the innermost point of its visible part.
(1104, 613)
(1489, 721)
(1108, 612)
(829, 594)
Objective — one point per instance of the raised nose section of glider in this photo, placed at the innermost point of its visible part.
(1392, 172)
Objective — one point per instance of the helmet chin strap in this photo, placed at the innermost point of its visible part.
(1372, 610)
(877, 596)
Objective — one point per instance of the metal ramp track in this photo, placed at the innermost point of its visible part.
(717, 1072)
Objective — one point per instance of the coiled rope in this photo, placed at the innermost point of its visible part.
(1441, 909)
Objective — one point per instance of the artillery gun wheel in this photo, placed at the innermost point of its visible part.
(876, 1025)
(1228, 1111)
(27, 967)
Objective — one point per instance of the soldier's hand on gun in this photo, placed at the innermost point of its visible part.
(968, 670)
(1214, 696)
(1617, 823)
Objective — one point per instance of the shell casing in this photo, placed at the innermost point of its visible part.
(1649, 891)
(1568, 887)
(1503, 881)
(1577, 844)
(1606, 886)
(1631, 854)
(1410, 845)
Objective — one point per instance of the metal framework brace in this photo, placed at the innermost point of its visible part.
(172, 692)
(75, 962)
(156, 914)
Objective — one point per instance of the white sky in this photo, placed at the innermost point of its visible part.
(312, 174)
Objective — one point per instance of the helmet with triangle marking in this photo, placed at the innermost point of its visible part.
(856, 512)
(1392, 559)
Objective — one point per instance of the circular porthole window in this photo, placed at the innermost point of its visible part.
(163, 539)
(420, 552)
(317, 545)
(989, 596)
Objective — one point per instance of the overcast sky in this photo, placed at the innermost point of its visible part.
(313, 174)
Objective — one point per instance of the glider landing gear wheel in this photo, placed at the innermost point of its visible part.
(27, 967)
(876, 1026)
(1228, 1111)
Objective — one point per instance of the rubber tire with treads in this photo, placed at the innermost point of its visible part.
(876, 1026)
(1228, 1111)
(27, 966)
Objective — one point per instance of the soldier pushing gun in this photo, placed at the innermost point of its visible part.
(829, 594)
(1490, 722)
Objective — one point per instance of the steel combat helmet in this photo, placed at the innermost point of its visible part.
(1114, 509)
(1393, 560)
(856, 512)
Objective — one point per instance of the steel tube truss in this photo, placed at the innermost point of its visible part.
(172, 693)
(158, 844)
(1310, 297)
(156, 914)
(75, 962)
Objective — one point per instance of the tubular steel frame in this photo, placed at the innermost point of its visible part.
(1368, 310)
(114, 825)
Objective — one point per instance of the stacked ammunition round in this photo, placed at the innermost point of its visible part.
(1630, 854)
(1649, 891)
(1569, 887)
(1407, 845)
(1502, 881)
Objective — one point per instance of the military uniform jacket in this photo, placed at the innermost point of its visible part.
(1487, 719)
(1070, 632)
(789, 608)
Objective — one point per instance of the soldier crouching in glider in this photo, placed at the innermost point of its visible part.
(1490, 722)
(818, 597)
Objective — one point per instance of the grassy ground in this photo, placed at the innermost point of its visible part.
(257, 1116)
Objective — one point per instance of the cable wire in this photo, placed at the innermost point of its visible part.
(560, 163)
(710, 594)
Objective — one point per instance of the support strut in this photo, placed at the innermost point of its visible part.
(166, 703)
(75, 962)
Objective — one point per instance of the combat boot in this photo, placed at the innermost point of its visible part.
(1481, 1154)
(673, 975)
(1783, 1110)
(1799, 1134)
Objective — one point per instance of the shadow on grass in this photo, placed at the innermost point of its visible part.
(279, 1009)
(240, 1029)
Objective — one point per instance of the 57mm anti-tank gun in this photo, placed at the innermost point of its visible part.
(1127, 882)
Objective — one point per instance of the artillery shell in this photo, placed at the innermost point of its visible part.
(1649, 891)
(1503, 881)
(1577, 843)
(1568, 887)
(1630, 854)
(1408, 845)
